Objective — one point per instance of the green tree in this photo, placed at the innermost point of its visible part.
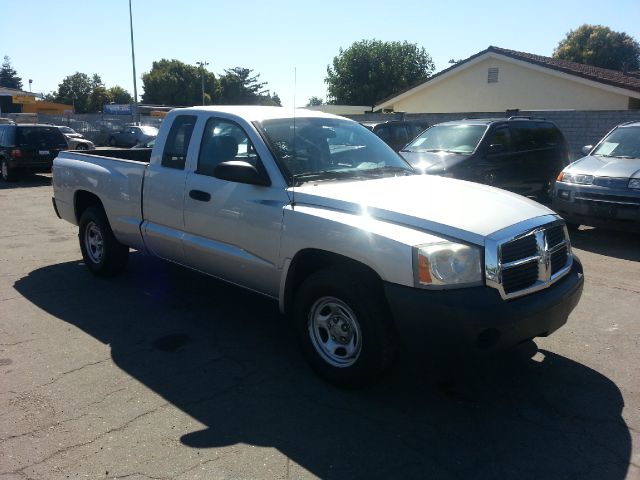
(315, 101)
(99, 97)
(239, 87)
(119, 95)
(76, 90)
(8, 76)
(601, 47)
(370, 70)
(172, 82)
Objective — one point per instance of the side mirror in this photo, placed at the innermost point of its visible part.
(586, 149)
(497, 148)
(240, 172)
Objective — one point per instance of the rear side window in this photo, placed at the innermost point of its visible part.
(175, 149)
(535, 135)
(49, 137)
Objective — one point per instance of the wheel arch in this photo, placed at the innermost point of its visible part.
(308, 261)
(83, 200)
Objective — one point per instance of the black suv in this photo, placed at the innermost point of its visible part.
(28, 148)
(520, 154)
(396, 133)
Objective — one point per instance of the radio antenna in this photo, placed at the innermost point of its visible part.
(293, 176)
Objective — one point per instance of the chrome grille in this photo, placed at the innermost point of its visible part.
(528, 261)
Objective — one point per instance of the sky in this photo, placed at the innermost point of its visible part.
(289, 43)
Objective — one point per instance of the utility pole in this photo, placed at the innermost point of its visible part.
(136, 117)
(202, 65)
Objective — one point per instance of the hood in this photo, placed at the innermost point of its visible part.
(424, 161)
(455, 208)
(606, 167)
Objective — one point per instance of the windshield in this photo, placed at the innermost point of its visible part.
(330, 148)
(448, 138)
(67, 130)
(623, 142)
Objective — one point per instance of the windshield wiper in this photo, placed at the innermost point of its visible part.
(388, 169)
(614, 156)
(301, 178)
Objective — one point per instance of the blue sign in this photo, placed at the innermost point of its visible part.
(117, 109)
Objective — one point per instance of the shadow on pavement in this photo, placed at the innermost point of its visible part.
(227, 358)
(611, 243)
(27, 181)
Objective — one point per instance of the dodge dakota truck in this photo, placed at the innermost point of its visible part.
(318, 213)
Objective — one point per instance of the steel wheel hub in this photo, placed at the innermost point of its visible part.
(334, 332)
(94, 243)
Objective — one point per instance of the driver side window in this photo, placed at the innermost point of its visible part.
(223, 141)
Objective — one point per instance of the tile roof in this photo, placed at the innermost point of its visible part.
(615, 78)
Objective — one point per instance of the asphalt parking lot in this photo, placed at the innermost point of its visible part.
(165, 373)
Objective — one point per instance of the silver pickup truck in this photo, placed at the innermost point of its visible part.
(318, 213)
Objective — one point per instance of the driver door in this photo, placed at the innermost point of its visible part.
(232, 230)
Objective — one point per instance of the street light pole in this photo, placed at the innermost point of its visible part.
(136, 117)
(202, 65)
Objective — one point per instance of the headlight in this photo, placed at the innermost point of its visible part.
(447, 264)
(579, 179)
(634, 183)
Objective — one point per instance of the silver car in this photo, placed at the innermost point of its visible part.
(75, 140)
(602, 189)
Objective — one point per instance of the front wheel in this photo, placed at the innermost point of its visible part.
(343, 327)
(102, 253)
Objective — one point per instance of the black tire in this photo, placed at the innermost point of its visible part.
(102, 253)
(371, 339)
(544, 196)
(82, 146)
(572, 227)
(8, 174)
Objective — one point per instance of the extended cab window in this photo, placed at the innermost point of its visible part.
(175, 149)
(223, 141)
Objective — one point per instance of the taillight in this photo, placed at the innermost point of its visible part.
(17, 153)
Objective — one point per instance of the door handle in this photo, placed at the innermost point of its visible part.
(200, 195)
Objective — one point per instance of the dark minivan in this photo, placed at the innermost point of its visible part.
(28, 148)
(396, 133)
(520, 154)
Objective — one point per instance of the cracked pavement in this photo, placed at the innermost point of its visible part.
(166, 374)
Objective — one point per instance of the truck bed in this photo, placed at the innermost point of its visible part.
(114, 176)
(135, 154)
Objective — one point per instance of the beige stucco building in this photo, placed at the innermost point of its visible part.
(497, 80)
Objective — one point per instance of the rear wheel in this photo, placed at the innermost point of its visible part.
(8, 173)
(102, 253)
(343, 327)
(82, 146)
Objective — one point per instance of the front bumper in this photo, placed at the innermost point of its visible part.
(598, 206)
(472, 321)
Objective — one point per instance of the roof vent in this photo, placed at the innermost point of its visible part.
(492, 75)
